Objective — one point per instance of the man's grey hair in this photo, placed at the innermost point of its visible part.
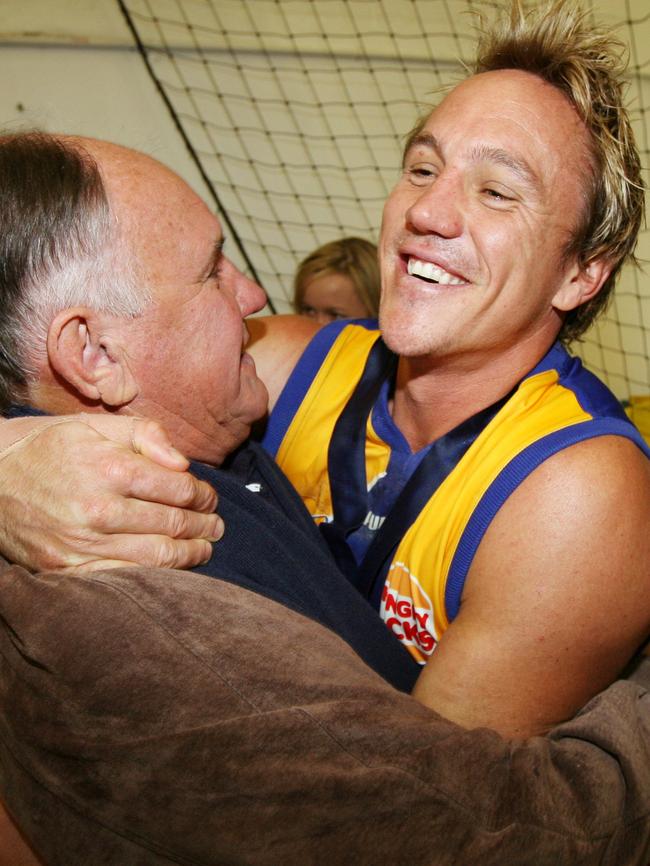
(59, 248)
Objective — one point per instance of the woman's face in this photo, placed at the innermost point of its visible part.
(329, 296)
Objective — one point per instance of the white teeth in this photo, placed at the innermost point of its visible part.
(429, 271)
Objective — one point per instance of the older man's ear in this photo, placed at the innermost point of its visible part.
(90, 357)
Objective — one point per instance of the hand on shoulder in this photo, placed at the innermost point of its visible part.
(98, 491)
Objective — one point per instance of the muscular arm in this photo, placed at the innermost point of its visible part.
(557, 599)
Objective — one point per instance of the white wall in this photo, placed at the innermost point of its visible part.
(70, 65)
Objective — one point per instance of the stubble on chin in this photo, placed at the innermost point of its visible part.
(398, 323)
(412, 333)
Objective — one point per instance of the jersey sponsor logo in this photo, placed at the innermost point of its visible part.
(407, 611)
(373, 521)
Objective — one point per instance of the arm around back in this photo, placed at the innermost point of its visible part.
(156, 717)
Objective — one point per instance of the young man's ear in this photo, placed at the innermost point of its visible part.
(581, 284)
(91, 360)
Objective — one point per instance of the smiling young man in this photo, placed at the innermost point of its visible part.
(498, 512)
(486, 493)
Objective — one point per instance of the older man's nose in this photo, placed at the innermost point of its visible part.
(250, 296)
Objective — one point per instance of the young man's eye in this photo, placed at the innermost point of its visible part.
(496, 194)
(420, 173)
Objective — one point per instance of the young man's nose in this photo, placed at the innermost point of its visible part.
(438, 209)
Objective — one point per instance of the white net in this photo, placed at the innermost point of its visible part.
(296, 111)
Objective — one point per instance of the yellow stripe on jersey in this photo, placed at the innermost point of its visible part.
(303, 452)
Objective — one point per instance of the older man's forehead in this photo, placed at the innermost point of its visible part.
(174, 232)
(169, 232)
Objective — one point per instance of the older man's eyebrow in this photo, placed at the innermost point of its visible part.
(215, 260)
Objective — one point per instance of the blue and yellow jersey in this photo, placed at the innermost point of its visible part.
(418, 587)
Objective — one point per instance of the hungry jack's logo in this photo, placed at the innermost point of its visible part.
(407, 611)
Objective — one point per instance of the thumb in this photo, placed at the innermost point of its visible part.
(142, 435)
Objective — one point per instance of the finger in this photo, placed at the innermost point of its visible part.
(152, 441)
(133, 475)
(152, 551)
(133, 516)
(141, 435)
(126, 473)
(180, 489)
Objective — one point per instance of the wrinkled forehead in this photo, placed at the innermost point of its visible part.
(514, 119)
(512, 96)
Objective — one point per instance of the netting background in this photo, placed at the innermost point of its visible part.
(296, 111)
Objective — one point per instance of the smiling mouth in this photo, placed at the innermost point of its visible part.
(432, 273)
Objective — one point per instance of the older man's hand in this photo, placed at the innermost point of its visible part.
(70, 497)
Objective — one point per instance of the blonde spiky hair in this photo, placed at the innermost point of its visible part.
(556, 41)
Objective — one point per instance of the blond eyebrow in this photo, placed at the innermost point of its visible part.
(516, 164)
(482, 153)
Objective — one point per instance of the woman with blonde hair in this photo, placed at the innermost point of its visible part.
(339, 280)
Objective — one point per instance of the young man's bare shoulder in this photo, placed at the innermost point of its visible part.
(276, 344)
(595, 473)
(581, 497)
(556, 600)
